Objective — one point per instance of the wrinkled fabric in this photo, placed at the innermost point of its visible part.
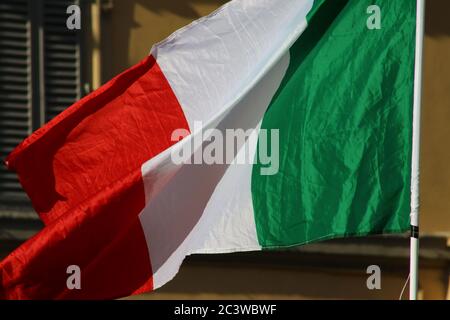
(344, 111)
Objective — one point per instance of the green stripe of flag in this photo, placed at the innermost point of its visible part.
(344, 114)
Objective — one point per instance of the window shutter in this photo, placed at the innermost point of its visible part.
(61, 58)
(40, 76)
(15, 88)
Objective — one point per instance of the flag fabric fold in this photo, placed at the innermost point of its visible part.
(101, 175)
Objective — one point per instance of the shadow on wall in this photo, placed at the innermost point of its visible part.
(182, 8)
(437, 18)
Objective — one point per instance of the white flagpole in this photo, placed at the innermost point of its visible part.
(414, 249)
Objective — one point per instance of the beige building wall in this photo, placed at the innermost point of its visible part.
(211, 281)
(435, 164)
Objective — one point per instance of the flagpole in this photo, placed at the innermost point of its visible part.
(414, 246)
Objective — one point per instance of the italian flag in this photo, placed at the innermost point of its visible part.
(102, 177)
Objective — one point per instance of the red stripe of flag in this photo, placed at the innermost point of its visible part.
(82, 172)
